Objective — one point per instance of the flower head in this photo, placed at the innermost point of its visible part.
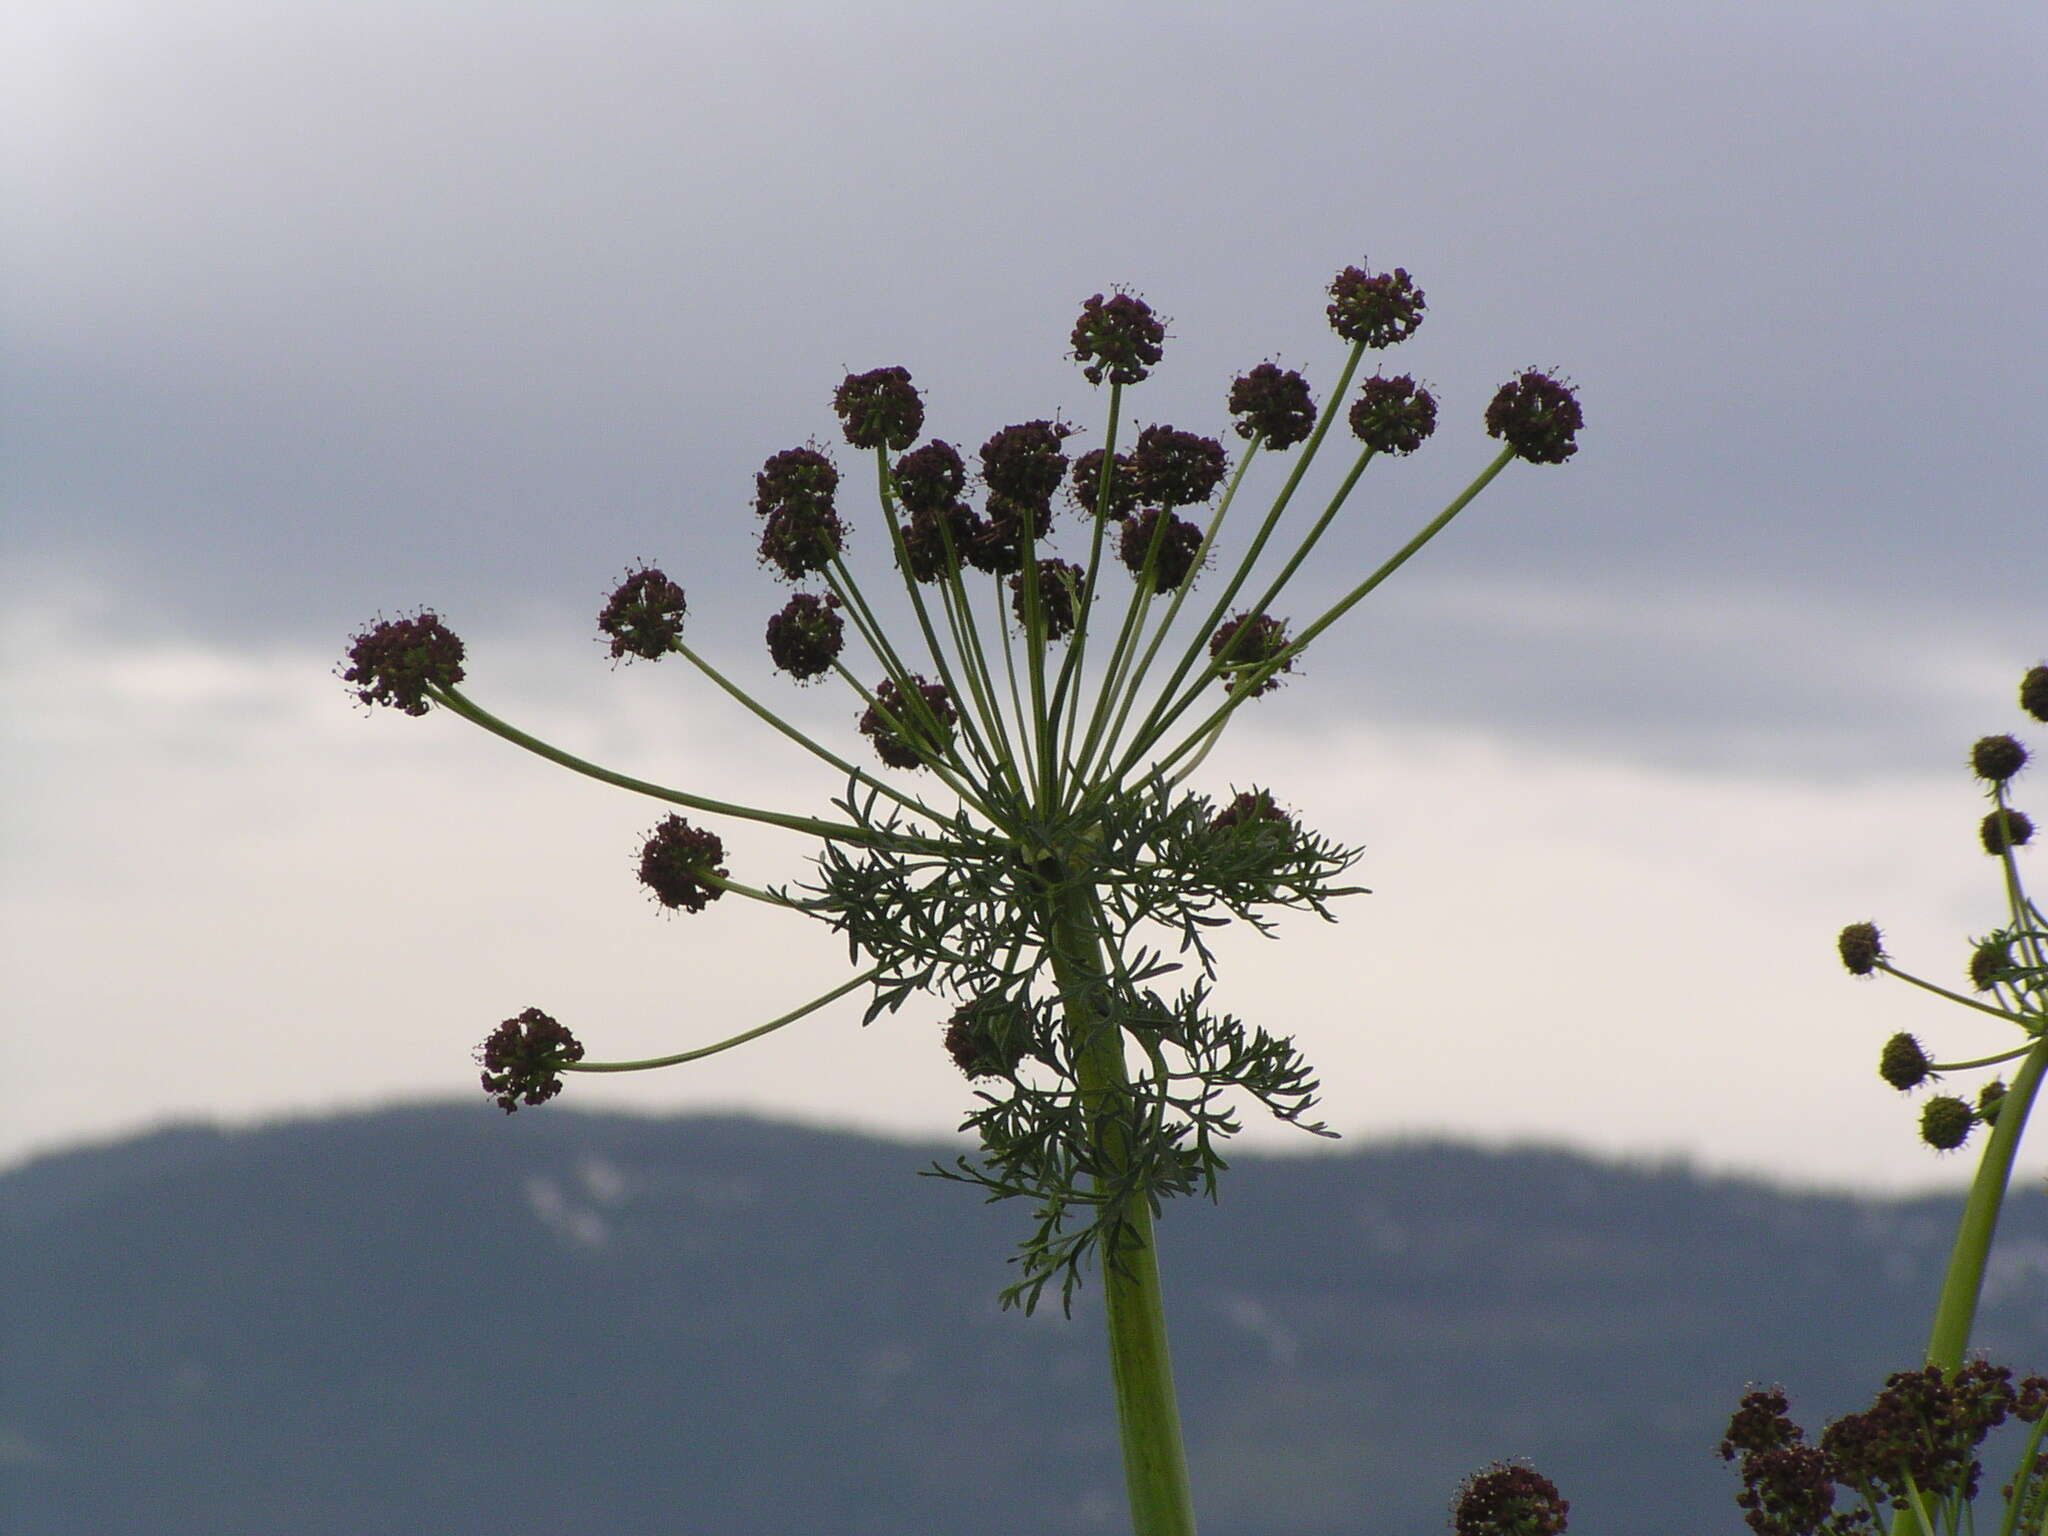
(1086, 484)
(1273, 406)
(1249, 642)
(675, 862)
(1861, 946)
(911, 732)
(1507, 1500)
(1001, 538)
(522, 1059)
(396, 661)
(799, 541)
(1378, 311)
(1164, 544)
(1025, 463)
(2034, 692)
(1538, 416)
(987, 1040)
(1945, 1123)
(936, 541)
(931, 478)
(805, 638)
(1990, 961)
(1251, 808)
(1393, 415)
(644, 616)
(1117, 338)
(1995, 759)
(1175, 468)
(2004, 829)
(1903, 1064)
(1059, 585)
(879, 409)
(796, 477)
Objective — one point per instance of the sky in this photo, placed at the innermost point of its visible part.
(311, 315)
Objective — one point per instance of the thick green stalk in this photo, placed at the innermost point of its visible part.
(1957, 1310)
(1141, 1368)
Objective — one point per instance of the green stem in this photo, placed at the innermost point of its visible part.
(1957, 1310)
(1140, 1366)
(650, 1062)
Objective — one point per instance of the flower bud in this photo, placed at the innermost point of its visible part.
(396, 661)
(805, 638)
(675, 861)
(1990, 961)
(1164, 543)
(522, 1059)
(1989, 1097)
(1861, 947)
(1393, 415)
(644, 616)
(1118, 338)
(987, 1040)
(909, 735)
(1945, 1123)
(1273, 406)
(1903, 1063)
(879, 409)
(1378, 311)
(1538, 417)
(1994, 759)
(2034, 692)
(2004, 828)
(1247, 641)
(1508, 1500)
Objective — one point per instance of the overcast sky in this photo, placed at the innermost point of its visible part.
(311, 314)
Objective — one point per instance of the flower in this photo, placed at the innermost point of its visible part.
(1246, 643)
(1538, 416)
(1118, 338)
(805, 638)
(1393, 415)
(879, 408)
(796, 477)
(1861, 947)
(1087, 484)
(1251, 808)
(1165, 544)
(675, 861)
(931, 478)
(2004, 829)
(1508, 1500)
(522, 1059)
(1176, 469)
(1377, 311)
(1273, 406)
(396, 661)
(1995, 759)
(1945, 1123)
(1059, 583)
(2034, 692)
(1989, 962)
(910, 734)
(644, 616)
(935, 541)
(1001, 538)
(1025, 462)
(987, 1040)
(800, 541)
(1903, 1063)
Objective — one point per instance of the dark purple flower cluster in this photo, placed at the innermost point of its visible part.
(806, 637)
(1025, 463)
(1173, 468)
(1273, 406)
(879, 409)
(644, 616)
(397, 661)
(1393, 415)
(1250, 641)
(1059, 587)
(679, 863)
(522, 1059)
(2005, 828)
(1118, 338)
(1086, 485)
(906, 732)
(1538, 416)
(987, 1040)
(1251, 808)
(1162, 543)
(1509, 1500)
(931, 478)
(1861, 947)
(1376, 310)
(802, 531)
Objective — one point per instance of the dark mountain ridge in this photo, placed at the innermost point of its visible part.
(444, 1320)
